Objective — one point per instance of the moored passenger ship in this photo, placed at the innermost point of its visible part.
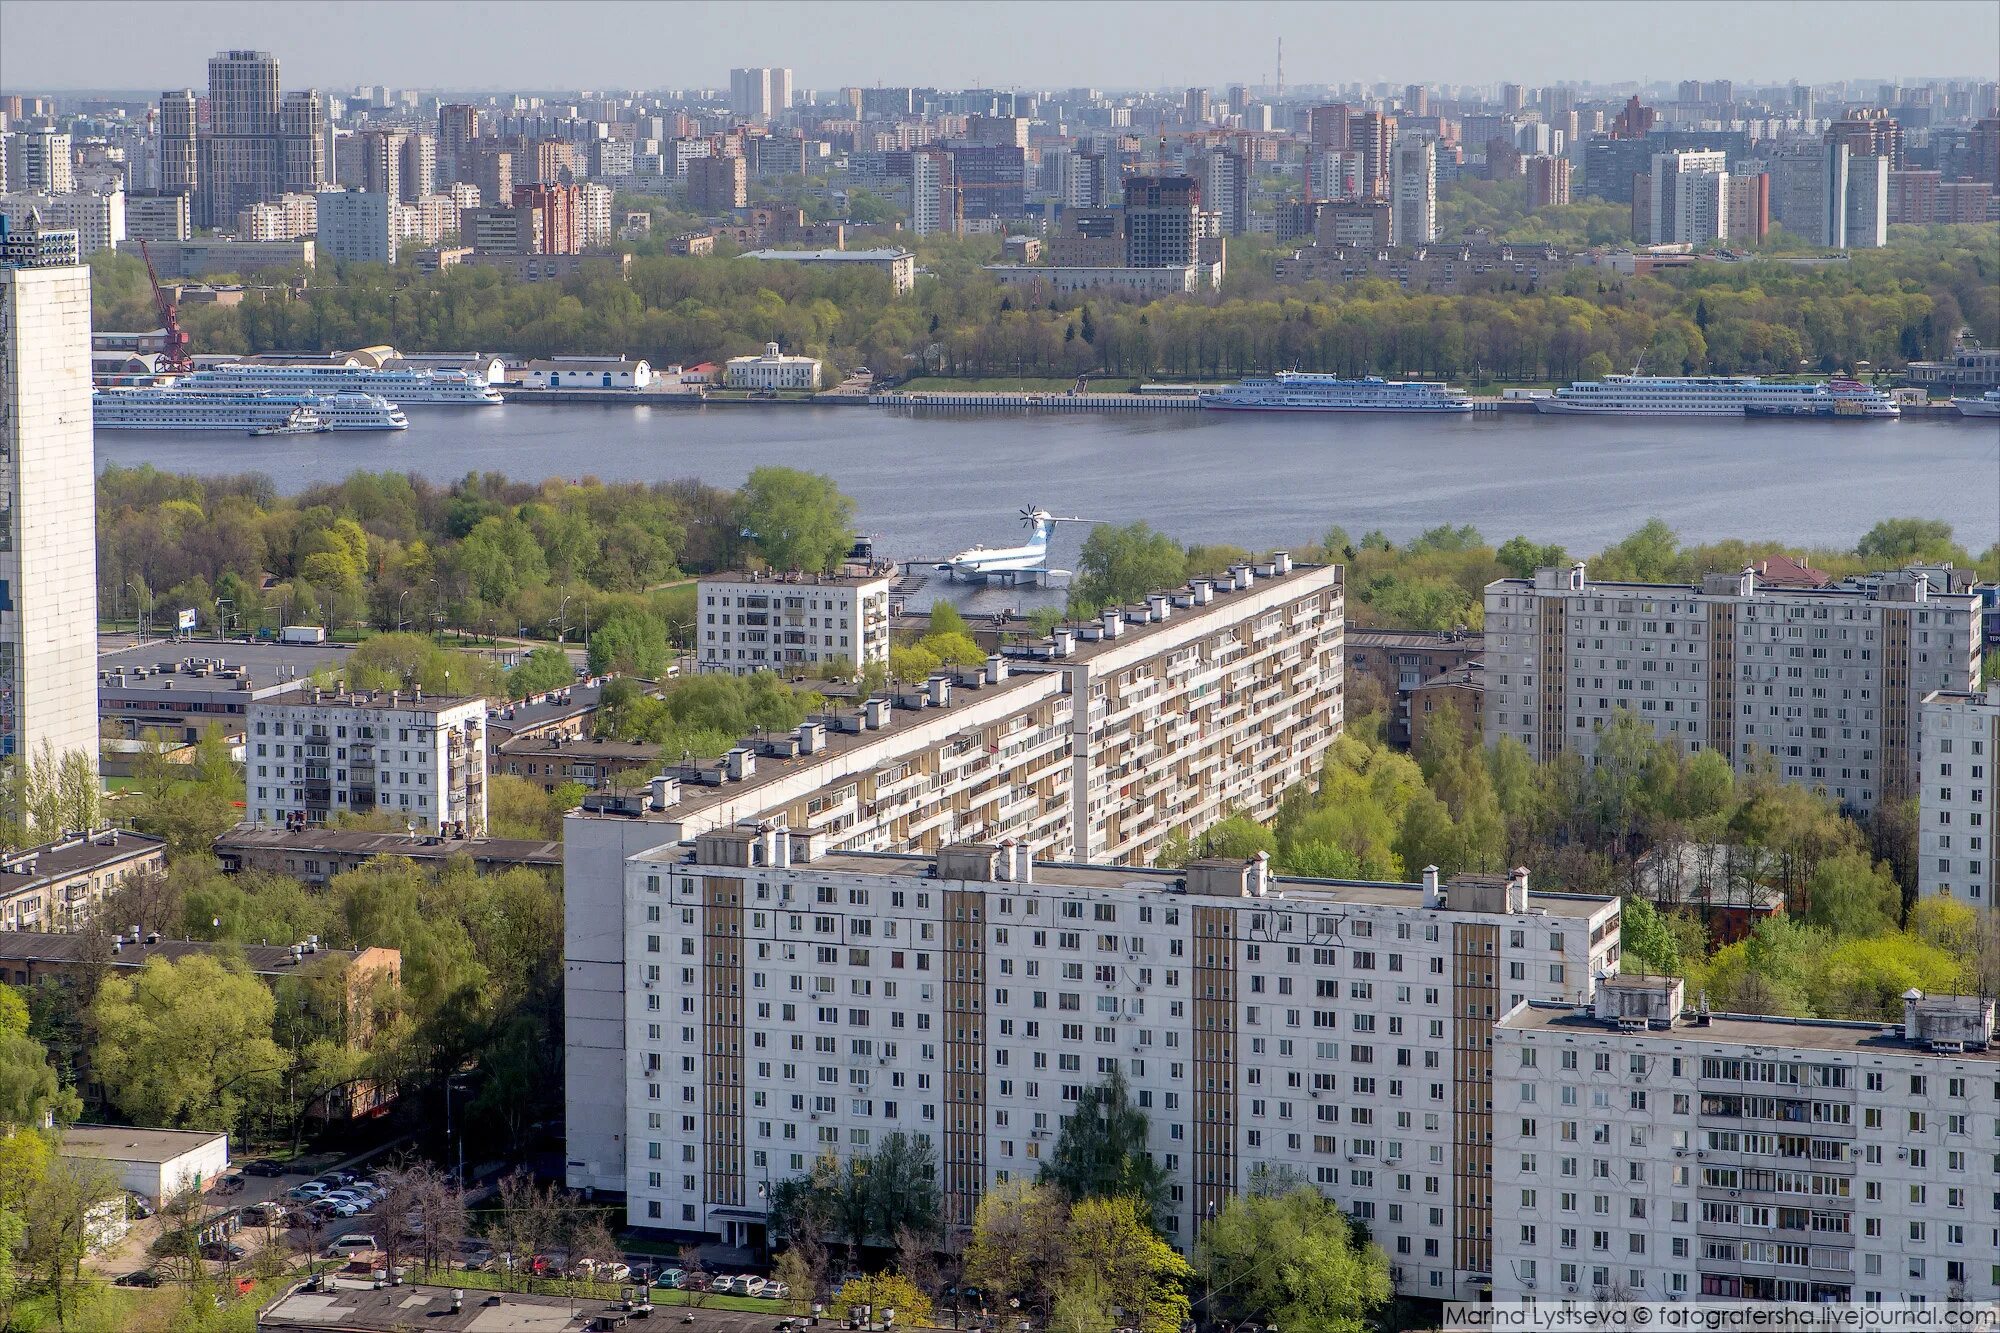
(1717, 396)
(170, 407)
(405, 387)
(1295, 391)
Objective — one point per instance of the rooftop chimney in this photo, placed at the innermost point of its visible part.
(1281, 561)
(1113, 620)
(875, 714)
(1517, 889)
(1159, 605)
(938, 690)
(996, 669)
(1433, 899)
(1065, 640)
(812, 737)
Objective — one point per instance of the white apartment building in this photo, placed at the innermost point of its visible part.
(1867, 202)
(782, 1004)
(1828, 680)
(593, 204)
(772, 370)
(1414, 221)
(780, 622)
(48, 525)
(1959, 736)
(1094, 744)
(357, 226)
(1641, 1152)
(286, 218)
(311, 754)
(97, 216)
(1690, 197)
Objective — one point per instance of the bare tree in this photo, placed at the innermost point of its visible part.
(916, 1259)
(179, 1245)
(526, 1226)
(695, 1277)
(590, 1244)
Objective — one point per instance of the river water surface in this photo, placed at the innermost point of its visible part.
(930, 484)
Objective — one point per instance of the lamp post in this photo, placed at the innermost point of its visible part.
(454, 1140)
(222, 618)
(400, 621)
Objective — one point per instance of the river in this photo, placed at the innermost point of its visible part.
(930, 484)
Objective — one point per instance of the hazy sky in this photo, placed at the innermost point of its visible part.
(155, 44)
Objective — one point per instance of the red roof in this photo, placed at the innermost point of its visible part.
(1784, 572)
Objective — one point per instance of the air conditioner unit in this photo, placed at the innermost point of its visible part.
(1529, 1284)
(1569, 1286)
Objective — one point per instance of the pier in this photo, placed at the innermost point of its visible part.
(1036, 402)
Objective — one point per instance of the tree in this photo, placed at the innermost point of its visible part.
(189, 805)
(1523, 557)
(791, 1268)
(1101, 1152)
(1895, 542)
(796, 520)
(57, 1227)
(633, 643)
(1113, 1238)
(1123, 564)
(60, 791)
(542, 670)
(1293, 1260)
(28, 1087)
(1645, 938)
(1017, 1242)
(1852, 894)
(880, 1292)
(185, 1044)
(694, 1276)
(902, 1188)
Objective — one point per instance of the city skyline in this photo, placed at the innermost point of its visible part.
(55, 47)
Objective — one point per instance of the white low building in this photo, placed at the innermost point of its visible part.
(588, 372)
(772, 370)
(153, 1163)
(1140, 282)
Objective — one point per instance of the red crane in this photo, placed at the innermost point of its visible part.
(175, 356)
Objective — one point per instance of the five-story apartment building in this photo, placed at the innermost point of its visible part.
(311, 754)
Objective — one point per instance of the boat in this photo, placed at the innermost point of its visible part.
(1296, 391)
(406, 387)
(1986, 405)
(171, 407)
(1717, 396)
(302, 421)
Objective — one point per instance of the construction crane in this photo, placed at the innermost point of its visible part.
(174, 357)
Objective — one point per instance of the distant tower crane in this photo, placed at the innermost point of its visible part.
(174, 357)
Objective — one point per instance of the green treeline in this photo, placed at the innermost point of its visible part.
(389, 551)
(1881, 307)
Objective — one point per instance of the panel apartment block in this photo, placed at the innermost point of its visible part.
(753, 622)
(312, 754)
(1263, 1025)
(48, 528)
(1960, 732)
(1825, 681)
(1095, 743)
(1644, 1152)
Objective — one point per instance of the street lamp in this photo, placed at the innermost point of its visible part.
(222, 618)
(453, 1140)
(400, 622)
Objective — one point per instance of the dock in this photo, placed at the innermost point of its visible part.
(1035, 402)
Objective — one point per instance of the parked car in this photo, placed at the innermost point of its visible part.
(309, 1191)
(220, 1251)
(230, 1183)
(778, 1291)
(350, 1244)
(671, 1279)
(336, 1208)
(144, 1277)
(604, 1270)
(263, 1166)
(261, 1214)
(137, 1206)
(722, 1283)
(341, 1177)
(750, 1284)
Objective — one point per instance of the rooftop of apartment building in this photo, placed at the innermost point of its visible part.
(364, 843)
(1990, 695)
(360, 1305)
(134, 947)
(127, 669)
(72, 855)
(541, 710)
(828, 737)
(1246, 882)
(123, 1143)
(1885, 585)
(404, 701)
(1361, 637)
(1949, 1025)
(850, 576)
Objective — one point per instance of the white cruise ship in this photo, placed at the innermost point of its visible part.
(171, 407)
(405, 387)
(1716, 396)
(1294, 391)
(1986, 405)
